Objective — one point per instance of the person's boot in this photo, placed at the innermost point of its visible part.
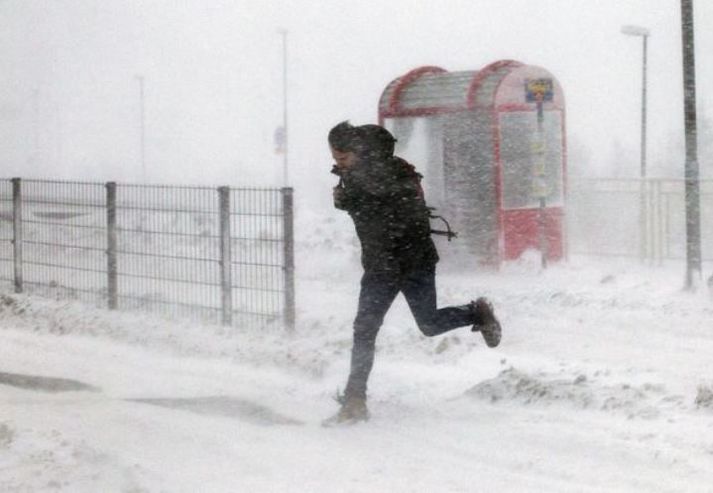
(352, 411)
(485, 322)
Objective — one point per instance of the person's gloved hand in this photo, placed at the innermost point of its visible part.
(339, 195)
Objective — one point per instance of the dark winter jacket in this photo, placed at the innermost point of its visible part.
(385, 200)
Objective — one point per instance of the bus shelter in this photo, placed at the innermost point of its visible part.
(491, 145)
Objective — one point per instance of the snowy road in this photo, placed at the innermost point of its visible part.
(594, 389)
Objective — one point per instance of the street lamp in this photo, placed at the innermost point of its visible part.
(693, 198)
(284, 135)
(642, 32)
(142, 127)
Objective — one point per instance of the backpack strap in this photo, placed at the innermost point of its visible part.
(409, 170)
(448, 232)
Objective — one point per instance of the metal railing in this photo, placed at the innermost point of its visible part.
(635, 218)
(225, 254)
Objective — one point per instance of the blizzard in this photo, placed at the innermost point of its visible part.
(602, 383)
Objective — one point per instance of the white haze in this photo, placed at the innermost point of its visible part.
(602, 382)
(69, 100)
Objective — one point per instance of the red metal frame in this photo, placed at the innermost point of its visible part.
(482, 74)
(418, 112)
(480, 77)
(403, 82)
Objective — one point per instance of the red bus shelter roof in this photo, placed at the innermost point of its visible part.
(432, 90)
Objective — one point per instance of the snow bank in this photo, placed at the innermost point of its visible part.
(582, 392)
(602, 384)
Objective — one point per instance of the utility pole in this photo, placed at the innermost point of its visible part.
(692, 187)
(285, 169)
(142, 128)
(36, 123)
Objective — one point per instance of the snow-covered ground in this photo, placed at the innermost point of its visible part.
(603, 382)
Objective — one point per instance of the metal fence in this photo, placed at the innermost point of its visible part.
(635, 218)
(225, 254)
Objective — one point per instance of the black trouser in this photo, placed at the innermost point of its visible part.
(378, 291)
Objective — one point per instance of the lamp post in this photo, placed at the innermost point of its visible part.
(643, 33)
(285, 137)
(142, 127)
(693, 204)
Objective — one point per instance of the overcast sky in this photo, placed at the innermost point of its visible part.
(212, 69)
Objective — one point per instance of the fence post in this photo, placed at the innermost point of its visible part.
(225, 256)
(17, 231)
(111, 255)
(660, 220)
(288, 214)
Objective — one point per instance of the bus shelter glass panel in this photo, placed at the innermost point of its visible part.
(531, 159)
(420, 142)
